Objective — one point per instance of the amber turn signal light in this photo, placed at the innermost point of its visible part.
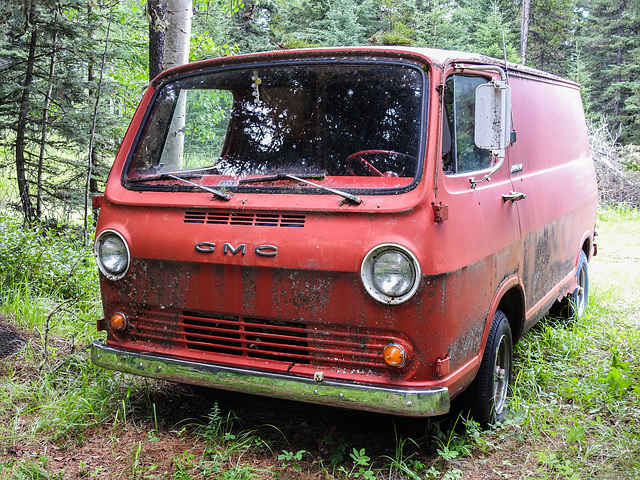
(118, 321)
(394, 355)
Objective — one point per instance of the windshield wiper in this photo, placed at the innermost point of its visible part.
(183, 178)
(279, 177)
(345, 195)
(303, 179)
(214, 191)
(163, 176)
(194, 173)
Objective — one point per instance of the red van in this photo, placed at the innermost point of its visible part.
(369, 228)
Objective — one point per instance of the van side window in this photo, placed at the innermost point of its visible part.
(459, 152)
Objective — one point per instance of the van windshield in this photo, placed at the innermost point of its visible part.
(352, 125)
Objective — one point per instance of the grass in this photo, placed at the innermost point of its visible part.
(575, 411)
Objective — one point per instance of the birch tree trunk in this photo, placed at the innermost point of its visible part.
(178, 33)
(524, 29)
(176, 52)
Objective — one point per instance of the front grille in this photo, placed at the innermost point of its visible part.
(290, 342)
(252, 338)
(244, 218)
(325, 346)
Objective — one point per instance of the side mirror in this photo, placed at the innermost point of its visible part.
(492, 123)
(493, 117)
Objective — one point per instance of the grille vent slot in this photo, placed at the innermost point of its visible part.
(250, 337)
(245, 219)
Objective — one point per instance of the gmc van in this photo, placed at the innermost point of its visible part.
(369, 228)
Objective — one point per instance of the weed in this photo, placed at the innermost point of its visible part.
(28, 470)
(292, 459)
(361, 466)
(338, 448)
(406, 465)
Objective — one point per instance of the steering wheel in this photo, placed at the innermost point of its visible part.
(360, 158)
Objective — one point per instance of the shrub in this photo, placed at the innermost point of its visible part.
(46, 262)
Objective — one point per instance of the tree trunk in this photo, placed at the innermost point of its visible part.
(43, 131)
(176, 53)
(92, 148)
(157, 14)
(524, 29)
(178, 33)
(618, 76)
(21, 168)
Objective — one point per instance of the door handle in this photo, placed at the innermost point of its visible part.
(513, 196)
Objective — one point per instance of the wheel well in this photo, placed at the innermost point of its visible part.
(512, 305)
(586, 247)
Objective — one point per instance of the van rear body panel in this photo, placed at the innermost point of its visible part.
(334, 249)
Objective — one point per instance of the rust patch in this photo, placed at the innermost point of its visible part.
(467, 343)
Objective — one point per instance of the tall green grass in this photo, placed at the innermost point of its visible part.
(577, 391)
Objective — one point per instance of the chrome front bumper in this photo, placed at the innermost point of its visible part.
(406, 402)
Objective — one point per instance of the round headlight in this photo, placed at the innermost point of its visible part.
(390, 273)
(393, 273)
(112, 254)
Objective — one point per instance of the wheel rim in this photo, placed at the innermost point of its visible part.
(581, 298)
(501, 374)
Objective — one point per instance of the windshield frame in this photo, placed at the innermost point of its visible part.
(286, 187)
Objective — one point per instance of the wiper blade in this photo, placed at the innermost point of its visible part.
(345, 195)
(193, 173)
(199, 173)
(164, 176)
(303, 179)
(279, 177)
(167, 176)
(214, 191)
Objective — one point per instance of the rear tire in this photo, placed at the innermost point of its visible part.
(490, 390)
(574, 305)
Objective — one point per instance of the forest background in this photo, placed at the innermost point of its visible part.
(73, 70)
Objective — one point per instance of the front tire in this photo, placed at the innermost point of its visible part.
(490, 391)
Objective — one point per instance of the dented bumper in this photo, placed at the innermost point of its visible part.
(405, 402)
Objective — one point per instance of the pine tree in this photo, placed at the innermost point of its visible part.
(551, 44)
(610, 45)
(494, 36)
(50, 51)
(303, 23)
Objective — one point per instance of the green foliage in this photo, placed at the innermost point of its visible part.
(46, 261)
(609, 43)
(489, 36)
(27, 470)
(361, 466)
(325, 23)
(57, 52)
(292, 459)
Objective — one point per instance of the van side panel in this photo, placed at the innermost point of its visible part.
(551, 164)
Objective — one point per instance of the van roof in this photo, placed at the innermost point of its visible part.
(437, 57)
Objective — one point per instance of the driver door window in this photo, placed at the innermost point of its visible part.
(459, 152)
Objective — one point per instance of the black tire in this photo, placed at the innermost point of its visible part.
(490, 391)
(580, 296)
(574, 305)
